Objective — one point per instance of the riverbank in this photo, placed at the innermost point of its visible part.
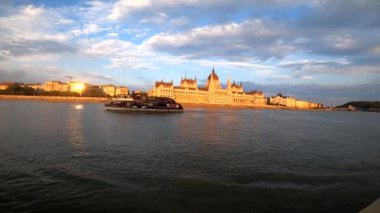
(54, 98)
(104, 100)
(271, 107)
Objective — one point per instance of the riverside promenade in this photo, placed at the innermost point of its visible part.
(54, 98)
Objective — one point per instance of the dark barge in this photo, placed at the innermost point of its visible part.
(144, 104)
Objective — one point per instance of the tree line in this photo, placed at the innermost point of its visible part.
(18, 89)
(362, 104)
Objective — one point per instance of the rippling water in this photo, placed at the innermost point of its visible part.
(70, 156)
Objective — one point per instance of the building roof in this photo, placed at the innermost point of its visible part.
(281, 96)
(165, 84)
(236, 85)
(189, 81)
(213, 75)
(108, 85)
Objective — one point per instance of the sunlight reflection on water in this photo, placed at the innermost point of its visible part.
(78, 106)
(74, 125)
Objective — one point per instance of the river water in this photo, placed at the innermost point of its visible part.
(78, 157)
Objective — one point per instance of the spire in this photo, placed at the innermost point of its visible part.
(213, 70)
(229, 83)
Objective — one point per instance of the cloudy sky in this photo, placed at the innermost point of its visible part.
(319, 50)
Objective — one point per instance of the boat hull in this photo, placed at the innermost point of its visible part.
(145, 104)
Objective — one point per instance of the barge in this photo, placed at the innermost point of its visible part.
(144, 104)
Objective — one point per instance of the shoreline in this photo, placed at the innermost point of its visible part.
(104, 100)
(54, 98)
(269, 107)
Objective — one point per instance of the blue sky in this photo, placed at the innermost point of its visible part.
(326, 51)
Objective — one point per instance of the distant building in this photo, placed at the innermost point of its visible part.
(121, 90)
(56, 86)
(109, 90)
(212, 93)
(5, 85)
(113, 90)
(36, 86)
(282, 101)
(292, 102)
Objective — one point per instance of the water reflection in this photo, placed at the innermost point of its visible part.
(166, 162)
(74, 126)
(209, 124)
(79, 106)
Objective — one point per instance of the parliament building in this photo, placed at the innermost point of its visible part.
(213, 93)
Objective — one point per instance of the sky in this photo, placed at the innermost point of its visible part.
(320, 50)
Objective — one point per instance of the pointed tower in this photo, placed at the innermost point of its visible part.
(229, 84)
(213, 81)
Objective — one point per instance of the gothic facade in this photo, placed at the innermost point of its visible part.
(213, 93)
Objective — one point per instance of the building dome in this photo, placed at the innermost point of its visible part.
(213, 75)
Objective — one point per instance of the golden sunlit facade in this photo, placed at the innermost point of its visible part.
(292, 102)
(57, 86)
(212, 93)
(113, 90)
(121, 90)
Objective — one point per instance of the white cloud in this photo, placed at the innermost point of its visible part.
(33, 32)
(159, 18)
(226, 40)
(88, 29)
(137, 32)
(341, 42)
(234, 64)
(123, 8)
(271, 74)
(112, 34)
(122, 54)
(178, 22)
(32, 23)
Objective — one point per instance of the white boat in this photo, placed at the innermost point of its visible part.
(122, 98)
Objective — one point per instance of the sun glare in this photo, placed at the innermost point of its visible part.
(79, 106)
(77, 87)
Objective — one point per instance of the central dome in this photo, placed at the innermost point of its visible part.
(213, 75)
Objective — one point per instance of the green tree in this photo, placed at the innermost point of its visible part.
(18, 89)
